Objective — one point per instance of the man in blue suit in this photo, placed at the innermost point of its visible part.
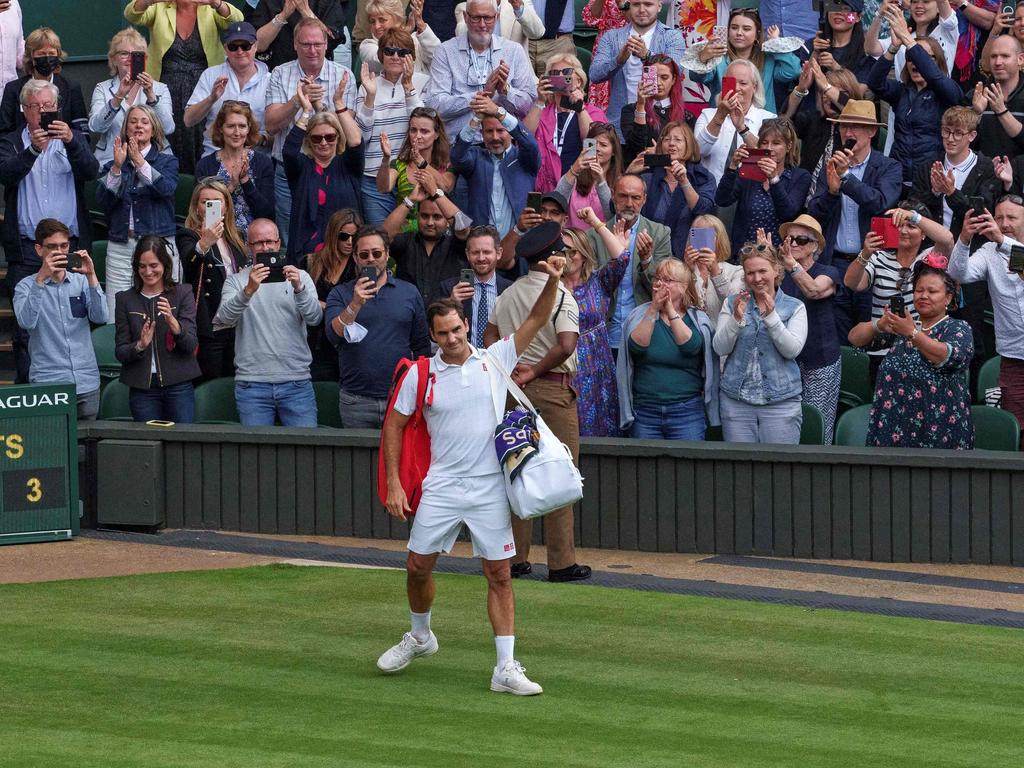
(502, 171)
(483, 249)
(855, 185)
(620, 54)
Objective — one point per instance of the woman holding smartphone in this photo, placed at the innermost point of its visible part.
(762, 330)
(211, 248)
(768, 187)
(707, 255)
(659, 101)
(156, 337)
(588, 184)
(560, 118)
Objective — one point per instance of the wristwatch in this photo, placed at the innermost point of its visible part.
(437, 194)
(408, 203)
(796, 269)
(502, 113)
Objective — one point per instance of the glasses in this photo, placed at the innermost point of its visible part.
(665, 280)
(902, 277)
(123, 54)
(243, 45)
(264, 244)
(313, 46)
(389, 51)
(800, 240)
(57, 247)
(952, 133)
(323, 138)
(371, 255)
(488, 19)
(344, 237)
(566, 72)
(47, 107)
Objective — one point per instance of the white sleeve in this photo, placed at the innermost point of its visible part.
(405, 403)
(505, 352)
(204, 87)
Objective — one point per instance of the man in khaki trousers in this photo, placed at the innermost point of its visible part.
(545, 372)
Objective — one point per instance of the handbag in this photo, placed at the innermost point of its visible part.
(546, 480)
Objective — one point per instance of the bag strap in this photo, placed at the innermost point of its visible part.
(513, 388)
(422, 380)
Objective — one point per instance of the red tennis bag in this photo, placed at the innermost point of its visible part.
(415, 460)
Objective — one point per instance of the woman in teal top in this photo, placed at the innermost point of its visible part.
(666, 362)
(773, 56)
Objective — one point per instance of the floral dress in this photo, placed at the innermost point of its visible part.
(920, 405)
(612, 18)
(597, 399)
(243, 216)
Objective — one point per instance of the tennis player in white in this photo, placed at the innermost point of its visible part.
(464, 483)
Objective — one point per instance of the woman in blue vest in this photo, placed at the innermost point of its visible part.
(762, 330)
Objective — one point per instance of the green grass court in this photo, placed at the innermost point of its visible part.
(274, 666)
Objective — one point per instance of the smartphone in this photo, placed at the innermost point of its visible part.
(702, 237)
(214, 212)
(884, 228)
(1017, 259)
(849, 144)
(749, 168)
(977, 204)
(137, 65)
(590, 147)
(558, 83)
(728, 86)
(370, 273)
(467, 276)
(74, 261)
(649, 77)
(533, 200)
(46, 119)
(1009, 8)
(657, 161)
(896, 304)
(273, 260)
(719, 34)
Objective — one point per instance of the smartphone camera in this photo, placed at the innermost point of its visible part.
(467, 276)
(74, 261)
(274, 262)
(896, 304)
(46, 119)
(369, 273)
(977, 204)
(1017, 259)
(137, 64)
(657, 161)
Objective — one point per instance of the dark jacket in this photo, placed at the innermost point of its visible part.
(258, 191)
(206, 274)
(787, 196)
(639, 137)
(992, 139)
(917, 114)
(519, 168)
(331, 12)
(876, 193)
(678, 216)
(16, 161)
(175, 355)
(151, 204)
(309, 217)
(72, 105)
(447, 286)
(980, 182)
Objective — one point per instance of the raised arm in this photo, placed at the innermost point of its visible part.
(544, 306)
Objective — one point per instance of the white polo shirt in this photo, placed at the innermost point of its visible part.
(461, 417)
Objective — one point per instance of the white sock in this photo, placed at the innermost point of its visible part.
(505, 644)
(420, 626)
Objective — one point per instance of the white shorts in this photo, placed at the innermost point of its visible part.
(479, 502)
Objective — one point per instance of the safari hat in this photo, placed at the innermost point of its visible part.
(857, 112)
(808, 222)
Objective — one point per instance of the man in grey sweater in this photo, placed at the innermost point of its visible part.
(270, 308)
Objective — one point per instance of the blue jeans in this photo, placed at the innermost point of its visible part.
(175, 403)
(376, 205)
(283, 196)
(678, 421)
(771, 423)
(292, 402)
(361, 412)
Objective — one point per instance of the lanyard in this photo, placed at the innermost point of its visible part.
(559, 138)
(474, 63)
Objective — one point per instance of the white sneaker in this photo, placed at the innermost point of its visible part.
(512, 678)
(398, 657)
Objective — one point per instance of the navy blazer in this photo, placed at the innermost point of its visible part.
(878, 192)
(605, 67)
(788, 196)
(71, 104)
(258, 192)
(151, 204)
(16, 162)
(448, 285)
(519, 168)
(678, 215)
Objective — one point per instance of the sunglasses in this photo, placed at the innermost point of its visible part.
(801, 240)
(323, 138)
(567, 72)
(389, 51)
(243, 45)
(754, 248)
(344, 237)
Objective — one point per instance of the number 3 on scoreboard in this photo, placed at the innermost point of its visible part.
(35, 490)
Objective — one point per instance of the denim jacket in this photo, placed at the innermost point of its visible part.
(152, 204)
(780, 376)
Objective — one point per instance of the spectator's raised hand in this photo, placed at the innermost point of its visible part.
(219, 86)
(497, 81)
(979, 101)
(942, 181)
(803, 83)
(587, 214)
(644, 246)
(901, 325)
(209, 237)
(302, 95)
(678, 171)
(365, 289)
(741, 154)
(339, 92)
(40, 139)
(1004, 171)
(462, 291)
(637, 164)
(146, 335)
(739, 306)
(996, 102)
(88, 268)
(769, 167)
(713, 49)
(148, 86)
(528, 219)
(736, 113)
(257, 274)
(135, 154)
(368, 79)
(127, 88)
(120, 154)
(765, 301)
(872, 242)
(832, 176)
(483, 106)
(293, 276)
(773, 32)
(385, 146)
(61, 131)
(691, 257)
(163, 309)
(553, 265)
(986, 227)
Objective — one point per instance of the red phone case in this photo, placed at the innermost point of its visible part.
(728, 86)
(750, 170)
(883, 227)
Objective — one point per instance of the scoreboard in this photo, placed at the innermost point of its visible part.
(38, 463)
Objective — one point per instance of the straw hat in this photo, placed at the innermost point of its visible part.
(857, 112)
(808, 222)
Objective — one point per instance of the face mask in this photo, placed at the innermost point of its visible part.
(45, 65)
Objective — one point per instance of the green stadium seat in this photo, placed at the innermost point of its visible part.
(995, 429)
(852, 427)
(97, 217)
(215, 402)
(103, 345)
(327, 414)
(98, 252)
(855, 379)
(988, 378)
(114, 402)
(183, 196)
(812, 427)
(585, 57)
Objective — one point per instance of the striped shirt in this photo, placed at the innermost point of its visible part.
(389, 114)
(887, 277)
(284, 81)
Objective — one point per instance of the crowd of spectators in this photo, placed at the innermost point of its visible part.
(738, 197)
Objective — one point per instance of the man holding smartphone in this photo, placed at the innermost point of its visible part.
(478, 287)
(374, 321)
(43, 171)
(272, 355)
